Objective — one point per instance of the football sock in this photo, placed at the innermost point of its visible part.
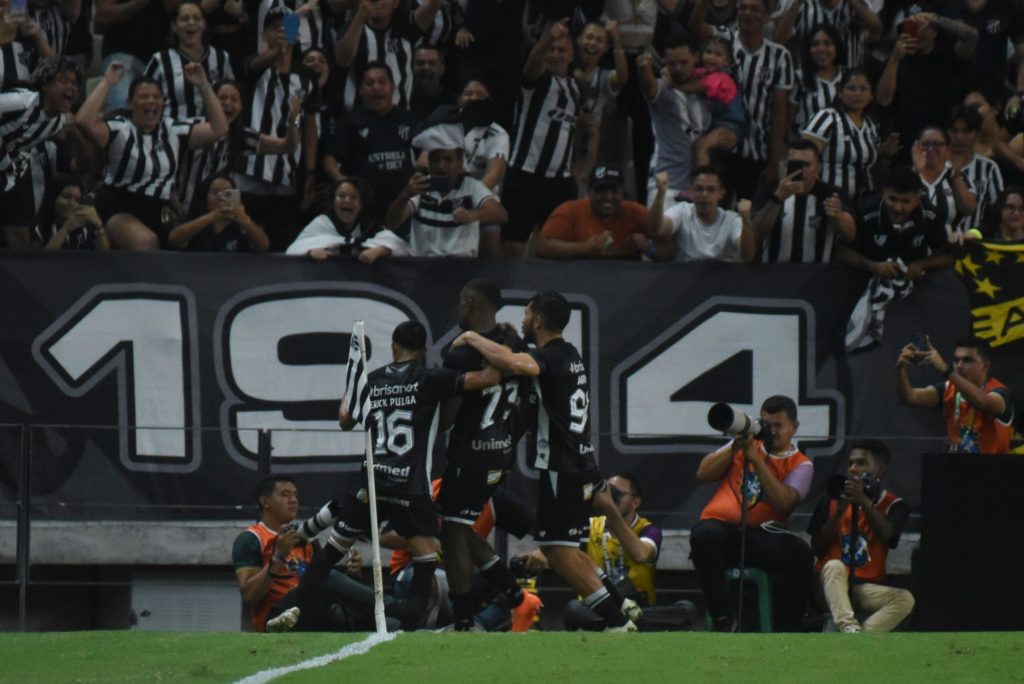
(419, 590)
(498, 574)
(464, 606)
(601, 603)
(323, 519)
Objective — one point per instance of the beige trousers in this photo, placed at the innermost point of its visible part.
(887, 605)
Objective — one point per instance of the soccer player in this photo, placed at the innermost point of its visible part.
(481, 450)
(564, 451)
(404, 419)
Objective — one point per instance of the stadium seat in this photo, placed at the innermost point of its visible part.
(763, 584)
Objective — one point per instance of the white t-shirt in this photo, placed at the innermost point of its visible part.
(435, 232)
(696, 240)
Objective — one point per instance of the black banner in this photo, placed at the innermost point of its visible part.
(225, 345)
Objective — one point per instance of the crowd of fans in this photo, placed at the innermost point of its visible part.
(750, 129)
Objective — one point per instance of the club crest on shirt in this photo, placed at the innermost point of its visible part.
(880, 240)
(918, 240)
(993, 26)
(403, 132)
(364, 133)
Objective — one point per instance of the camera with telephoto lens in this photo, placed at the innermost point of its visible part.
(872, 485)
(724, 419)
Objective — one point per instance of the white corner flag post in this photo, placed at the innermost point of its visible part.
(358, 394)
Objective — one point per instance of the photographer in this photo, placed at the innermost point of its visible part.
(978, 409)
(777, 479)
(853, 528)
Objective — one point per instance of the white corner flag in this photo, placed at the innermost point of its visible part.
(357, 389)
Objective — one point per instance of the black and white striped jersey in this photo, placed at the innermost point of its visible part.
(269, 115)
(146, 163)
(204, 163)
(45, 160)
(394, 47)
(843, 17)
(54, 26)
(808, 101)
(17, 61)
(23, 125)
(563, 414)
(181, 99)
(850, 151)
(802, 233)
(404, 421)
(759, 75)
(442, 31)
(942, 200)
(315, 25)
(546, 126)
(484, 143)
(984, 176)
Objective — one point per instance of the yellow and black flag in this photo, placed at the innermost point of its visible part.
(993, 273)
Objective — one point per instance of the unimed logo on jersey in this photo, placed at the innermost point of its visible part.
(734, 350)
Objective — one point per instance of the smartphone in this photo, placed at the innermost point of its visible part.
(87, 200)
(795, 166)
(920, 341)
(18, 10)
(909, 26)
(232, 196)
(291, 27)
(440, 184)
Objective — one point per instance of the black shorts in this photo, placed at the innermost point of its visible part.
(563, 507)
(530, 199)
(465, 492)
(111, 201)
(18, 205)
(409, 516)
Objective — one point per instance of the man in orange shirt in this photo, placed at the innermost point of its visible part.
(777, 478)
(602, 225)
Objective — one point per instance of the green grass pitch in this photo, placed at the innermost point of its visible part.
(555, 657)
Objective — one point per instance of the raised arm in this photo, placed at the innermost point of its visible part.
(645, 74)
(500, 356)
(534, 67)
(925, 397)
(346, 48)
(215, 127)
(88, 116)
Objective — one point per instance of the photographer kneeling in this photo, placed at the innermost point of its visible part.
(853, 528)
(778, 477)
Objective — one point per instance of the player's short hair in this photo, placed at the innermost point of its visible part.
(140, 81)
(983, 347)
(410, 335)
(709, 170)
(778, 403)
(552, 308)
(876, 447)
(680, 39)
(634, 483)
(266, 485)
(902, 180)
(376, 64)
(485, 290)
(968, 116)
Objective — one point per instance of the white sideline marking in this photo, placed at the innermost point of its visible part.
(357, 648)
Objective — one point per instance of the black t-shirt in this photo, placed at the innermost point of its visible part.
(376, 148)
(927, 88)
(563, 421)
(997, 22)
(483, 435)
(230, 239)
(879, 239)
(403, 421)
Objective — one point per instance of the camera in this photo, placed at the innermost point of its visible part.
(724, 419)
(872, 486)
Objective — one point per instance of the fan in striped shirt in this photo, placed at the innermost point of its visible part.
(851, 17)
(765, 77)
(847, 137)
(377, 33)
(54, 19)
(188, 27)
(28, 118)
(981, 173)
(144, 151)
(22, 45)
(314, 26)
(948, 192)
(816, 83)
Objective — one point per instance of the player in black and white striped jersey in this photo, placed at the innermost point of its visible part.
(271, 183)
(852, 18)
(376, 32)
(765, 77)
(816, 82)
(801, 219)
(539, 177)
(848, 137)
(228, 155)
(982, 173)
(144, 150)
(947, 191)
(28, 118)
(54, 19)
(188, 28)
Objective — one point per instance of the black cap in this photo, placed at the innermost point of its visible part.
(605, 175)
